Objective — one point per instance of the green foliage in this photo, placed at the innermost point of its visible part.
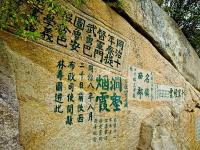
(28, 34)
(79, 3)
(186, 13)
(116, 3)
(120, 3)
(25, 22)
(6, 11)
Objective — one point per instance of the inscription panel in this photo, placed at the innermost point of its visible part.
(105, 128)
(78, 33)
(83, 91)
(140, 84)
(167, 92)
(142, 87)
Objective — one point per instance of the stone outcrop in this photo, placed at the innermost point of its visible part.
(34, 73)
(161, 30)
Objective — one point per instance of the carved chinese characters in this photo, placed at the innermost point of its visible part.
(140, 83)
(105, 128)
(163, 92)
(81, 93)
(142, 87)
(77, 34)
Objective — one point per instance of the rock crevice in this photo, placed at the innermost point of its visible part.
(148, 19)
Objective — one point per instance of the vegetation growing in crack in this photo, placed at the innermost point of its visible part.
(119, 4)
(26, 21)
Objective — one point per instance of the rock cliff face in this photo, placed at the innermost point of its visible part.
(9, 108)
(153, 23)
(110, 79)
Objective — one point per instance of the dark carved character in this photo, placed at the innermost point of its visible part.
(70, 108)
(90, 96)
(80, 118)
(146, 92)
(80, 108)
(90, 68)
(89, 40)
(118, 53)
(80, 97)
(109, 60)
(140, 75)
(116, 101)
(81, 85)
(90, 77)
(47, 34)
(91, 29)
(175, 93)
(69, 120)
(71, 65)
(79, 23)
(140, 92)
(109, 57)
(102, 34)
(61, 64)
(171, 93)
(102, 82)
(100, 45)
(119, 48)
(62, 31)
(60, 74)
(70, 97)
(147, 78)
(116, 83)
(71, 77)
(100, 53)
(57, 109)
(86, 50)
(71, 86)
(59, 86)
(99, 50)
(90, 116)
(94, 139)
(117, 63)
(120, 44)
(76, 34)
(91, 85)
(90, 107)
(111, 39)
(74, 46)
(102, 99)
(82, 65)
(58, 97)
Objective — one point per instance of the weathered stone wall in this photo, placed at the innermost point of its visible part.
(9, 108)
(144, 121)
(161, 30)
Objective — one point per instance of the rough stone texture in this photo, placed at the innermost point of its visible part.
(157, 125)
(155, 131)
(161, 30)
(9, 108)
